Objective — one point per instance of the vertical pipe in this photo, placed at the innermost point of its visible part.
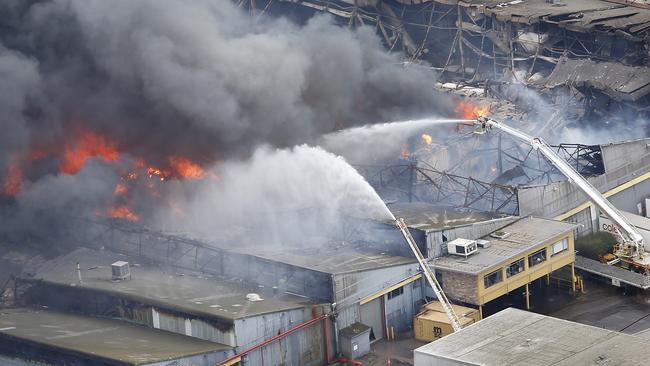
(327, 341)
(527, 298)
(480, 312)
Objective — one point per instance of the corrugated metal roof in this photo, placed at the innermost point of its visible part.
(99, 338)
(425, 216)
(204, 296)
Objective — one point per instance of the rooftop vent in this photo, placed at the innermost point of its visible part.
(121, 271)
(253, 297)
(499, 234)
(483, 243)
(463, 247)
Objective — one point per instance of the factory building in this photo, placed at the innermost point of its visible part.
(231, 313)
(44, 337)
(516, 337)
(511, 258)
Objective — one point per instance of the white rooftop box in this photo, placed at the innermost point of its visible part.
(464, 247)
(121, 271)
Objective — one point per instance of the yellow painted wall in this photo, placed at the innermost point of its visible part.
(530, 273)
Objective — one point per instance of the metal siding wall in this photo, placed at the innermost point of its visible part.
(207, 359)
(207, 331)
(348, 315)
(400, 309)
(352, 287)
(303, 347)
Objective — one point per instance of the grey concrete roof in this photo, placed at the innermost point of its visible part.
(525, 234)
(334, 259)
(517, 337)
(100, 338)
(425, 216)
(204, 296)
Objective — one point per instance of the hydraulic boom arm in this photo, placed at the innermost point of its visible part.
(630, 235)
(428, 274)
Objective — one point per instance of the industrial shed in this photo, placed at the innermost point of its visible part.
(516, 337)
(441, 224)
(198, 306)
(518, 254)
(29, 337)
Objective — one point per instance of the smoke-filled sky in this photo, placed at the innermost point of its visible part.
(192, 78)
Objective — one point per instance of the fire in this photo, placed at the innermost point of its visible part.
(186, 168)
(123, 212)
(13, 182)
(404, 151)
(120, 190)
(88, 145)
(468, 110)
(427, 139)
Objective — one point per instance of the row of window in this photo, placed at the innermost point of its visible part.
(518, 266)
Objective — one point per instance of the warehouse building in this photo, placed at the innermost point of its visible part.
(516, 337)
(512, 257)
(439, 224)
(38, 337)
(227, 312)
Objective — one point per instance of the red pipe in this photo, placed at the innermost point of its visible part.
(274, 338)
(327, 341)
(347, 360)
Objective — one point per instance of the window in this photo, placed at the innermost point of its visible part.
(514, 268)
(396, 292)
(460, 249)
(493, 278)
(559, 247)
(537, 258)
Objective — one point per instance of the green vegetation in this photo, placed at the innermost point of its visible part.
(593, 245)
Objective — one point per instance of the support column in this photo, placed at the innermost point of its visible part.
(527, 298)
(480, 312)
(548, 279)
(573, 278)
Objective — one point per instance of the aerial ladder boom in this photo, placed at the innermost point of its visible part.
(633, 246)
(428, 274)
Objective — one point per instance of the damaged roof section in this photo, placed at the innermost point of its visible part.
(576, 15)
(620, 82)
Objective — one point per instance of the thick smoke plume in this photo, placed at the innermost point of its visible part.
(190, 78)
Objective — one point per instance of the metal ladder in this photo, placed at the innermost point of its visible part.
(428, 273)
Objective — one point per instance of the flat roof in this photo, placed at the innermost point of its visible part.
(517, 337)
(425, 216)
(112, 340)
(334, 259)
(525, 234)
(204, 296)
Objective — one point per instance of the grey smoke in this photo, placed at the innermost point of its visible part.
(196, 78)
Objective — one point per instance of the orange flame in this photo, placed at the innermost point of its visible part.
(13, 182)
(123, 212)
(186, 168)
(120, 190)
(427, 139)
(87, 146)
(466, 110)
(404, 151)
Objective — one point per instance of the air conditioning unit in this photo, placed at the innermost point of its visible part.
(483, 243)
(121, 271)
(463, 247)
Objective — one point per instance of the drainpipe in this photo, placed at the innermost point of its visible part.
(336, 330)
(274, 338)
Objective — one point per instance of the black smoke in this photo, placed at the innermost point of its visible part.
(197, 78)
